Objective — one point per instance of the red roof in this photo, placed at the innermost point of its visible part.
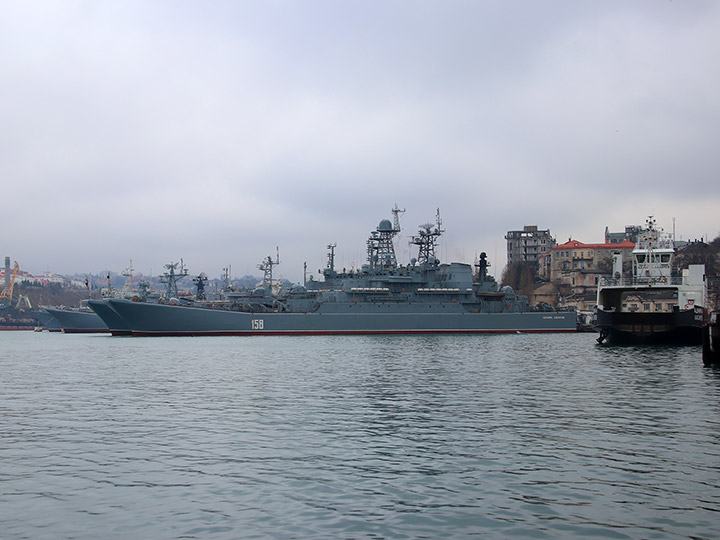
(574, 244)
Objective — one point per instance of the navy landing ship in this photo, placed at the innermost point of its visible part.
(383, 297)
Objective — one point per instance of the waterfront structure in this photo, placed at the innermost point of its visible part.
(528, 245)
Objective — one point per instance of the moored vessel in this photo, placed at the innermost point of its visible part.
(81, 320)
(653, 305)
(383, 297)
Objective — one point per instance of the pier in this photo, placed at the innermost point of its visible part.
(711, 340)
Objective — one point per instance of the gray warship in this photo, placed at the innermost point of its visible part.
(383, 297)
(85, 318)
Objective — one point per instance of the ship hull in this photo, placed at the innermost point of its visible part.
(115, 324)
(680, 327)
(146, 319)
(47, 321)
(78, 322)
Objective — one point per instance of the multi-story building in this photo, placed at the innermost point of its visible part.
(528, 245)
(630, 234)
(578, 267)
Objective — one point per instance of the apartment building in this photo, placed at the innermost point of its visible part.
(528, 245)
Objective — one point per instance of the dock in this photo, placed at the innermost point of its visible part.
(711, 340)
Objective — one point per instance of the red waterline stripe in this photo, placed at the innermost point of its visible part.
(344, 332)
(86, 330)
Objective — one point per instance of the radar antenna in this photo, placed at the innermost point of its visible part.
(200, 282)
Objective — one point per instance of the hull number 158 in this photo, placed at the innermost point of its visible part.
(256, 324)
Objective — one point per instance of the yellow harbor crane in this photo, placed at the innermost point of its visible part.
(7, 293)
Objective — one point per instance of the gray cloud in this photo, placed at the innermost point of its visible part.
(215, 132)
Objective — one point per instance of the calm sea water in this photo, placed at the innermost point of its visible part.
(499, 436)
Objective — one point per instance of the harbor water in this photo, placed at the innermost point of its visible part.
(353, 437)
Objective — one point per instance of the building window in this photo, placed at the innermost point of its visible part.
(658, 307)
(646, 307)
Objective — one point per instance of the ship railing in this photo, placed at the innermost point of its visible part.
(657, 281)
(439, 290)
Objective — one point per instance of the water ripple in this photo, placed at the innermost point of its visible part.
(356, 437)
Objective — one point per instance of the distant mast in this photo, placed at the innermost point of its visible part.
(170, 278)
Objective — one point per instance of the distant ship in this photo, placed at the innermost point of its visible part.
(46, 321)
(82, 320)
(383, 297)
(13, 323)
(653, 306)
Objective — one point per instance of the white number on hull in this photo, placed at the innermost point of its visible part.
(257, 324)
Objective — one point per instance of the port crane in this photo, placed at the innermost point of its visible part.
(7, 293)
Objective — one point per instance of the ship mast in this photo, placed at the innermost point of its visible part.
(128, 273)
(331, 258)
(396, 217)
(266, 266)
(426, 240)
(170, 278)
(380, 247)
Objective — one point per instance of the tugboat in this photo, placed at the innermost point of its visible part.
(653, 306)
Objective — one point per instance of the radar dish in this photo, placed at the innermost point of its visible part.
(385, 226)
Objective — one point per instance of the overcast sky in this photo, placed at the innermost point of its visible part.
(216, 131)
